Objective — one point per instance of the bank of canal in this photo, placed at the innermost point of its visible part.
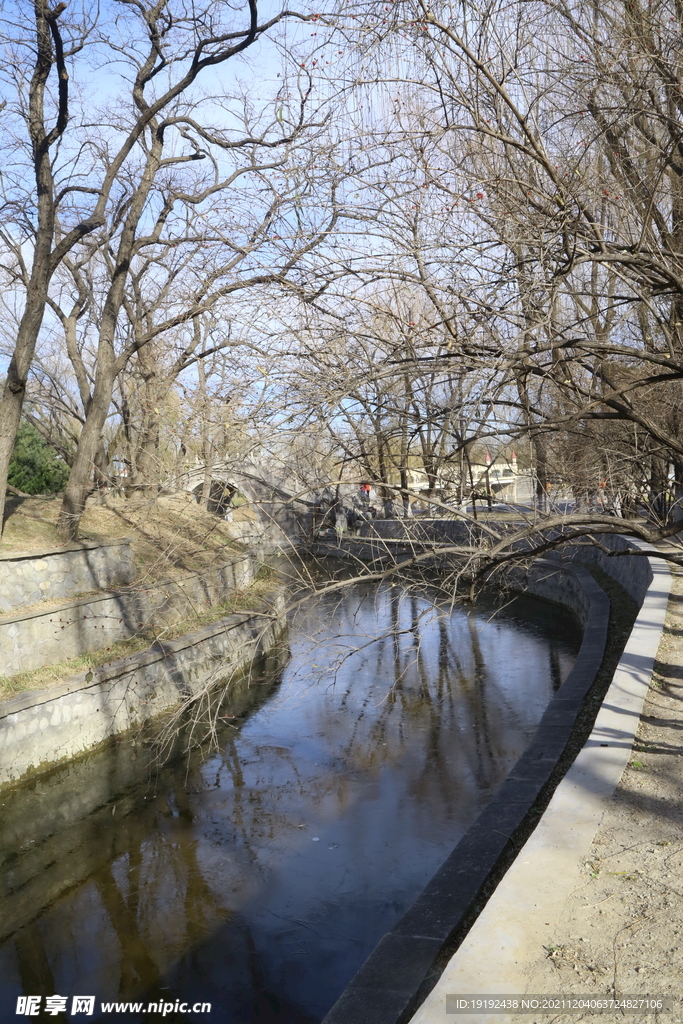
(259, 877)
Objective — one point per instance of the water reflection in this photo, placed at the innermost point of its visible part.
(259, 878)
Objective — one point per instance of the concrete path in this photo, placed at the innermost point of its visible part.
(593, 905)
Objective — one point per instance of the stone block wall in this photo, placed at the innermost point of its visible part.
(632, 571)
(30, 641)
(420, 530)
(65, 572)
(551, 582)
(42, 728)
(276, 528)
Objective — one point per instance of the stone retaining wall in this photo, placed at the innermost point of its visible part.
(631, 571)
(277, 527)
(396, 537)
(64, 572)
(421, 530)
(39, 729)
(560, 585)
(387, 540)
(43, 638)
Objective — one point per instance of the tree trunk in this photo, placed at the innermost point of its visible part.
(206, 482)
(102, 476)
(14, 390)
(10, 415)
(677, 511)
(78, 484)
(41, 269)
(75, 495)
(659, 485)
(404, 491)
(148, 476)
(541, 460)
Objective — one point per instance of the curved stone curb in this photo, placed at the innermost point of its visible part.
(389, 985)
(519, 918)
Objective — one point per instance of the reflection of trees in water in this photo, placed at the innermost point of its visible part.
(131, 892)
(32, 962)
(136, 877)
(422, 685)
(555, 666)
(475, 693)
(138, 967)
(174, 869)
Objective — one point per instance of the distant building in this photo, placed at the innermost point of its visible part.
(497, 476)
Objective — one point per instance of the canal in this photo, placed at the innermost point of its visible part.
(258, 875)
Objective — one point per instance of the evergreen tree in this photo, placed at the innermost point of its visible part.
(35, 467)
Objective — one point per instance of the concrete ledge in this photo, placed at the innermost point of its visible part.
(103, 673)
(521, 914)
(75, 545)
(391, 982)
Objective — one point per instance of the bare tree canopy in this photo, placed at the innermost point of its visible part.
(448, 238)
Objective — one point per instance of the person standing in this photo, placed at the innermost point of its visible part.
(340, 526)
(340, 520)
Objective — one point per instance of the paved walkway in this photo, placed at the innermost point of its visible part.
(600, 913)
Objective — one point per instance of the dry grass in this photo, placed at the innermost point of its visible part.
(50, 675)
(170, 535)
(30, 524)
(252, 598)
(47, 605)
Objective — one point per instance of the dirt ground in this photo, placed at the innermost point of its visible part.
(621, 931)
(169, 534)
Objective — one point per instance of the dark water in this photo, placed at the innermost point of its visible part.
(259, 878)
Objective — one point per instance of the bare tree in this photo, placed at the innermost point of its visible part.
(391, 404)
(113, 176)
(534, 180)
(33, 222)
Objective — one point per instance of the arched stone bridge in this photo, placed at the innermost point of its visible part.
(281, 509)
(256, 481)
